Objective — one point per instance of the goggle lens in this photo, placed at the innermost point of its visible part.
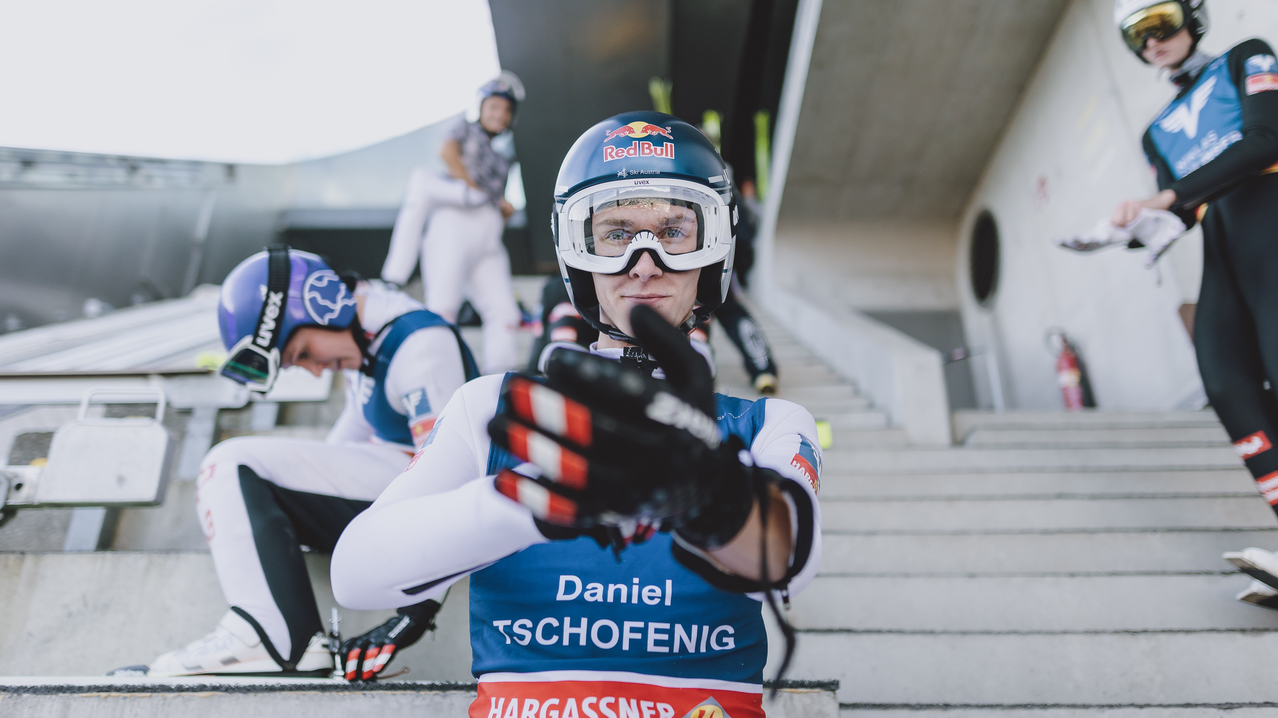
(252, 367)
(677, 224)
(1160, 22)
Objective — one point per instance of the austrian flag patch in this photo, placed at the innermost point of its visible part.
(1263, 82)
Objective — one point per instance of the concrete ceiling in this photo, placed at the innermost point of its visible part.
(906, 100)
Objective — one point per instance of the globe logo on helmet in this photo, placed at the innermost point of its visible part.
(325, 295)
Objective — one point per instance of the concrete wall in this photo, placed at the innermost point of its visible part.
(870, 265)
(1070, 153)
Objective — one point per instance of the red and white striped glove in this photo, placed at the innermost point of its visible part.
(616, 447)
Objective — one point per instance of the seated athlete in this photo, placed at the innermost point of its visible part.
(622, 521)
(261, 498)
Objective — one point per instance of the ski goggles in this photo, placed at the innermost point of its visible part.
(254, 361)
(1159, 21)
(686, 225)
(252, 366)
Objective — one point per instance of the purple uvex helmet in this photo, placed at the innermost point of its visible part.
(316, 297)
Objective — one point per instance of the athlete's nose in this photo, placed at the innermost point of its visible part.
(645, 268)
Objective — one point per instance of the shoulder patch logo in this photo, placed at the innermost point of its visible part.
(1260, 63)
(416, 404)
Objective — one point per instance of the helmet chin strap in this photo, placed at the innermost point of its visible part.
(686, 327)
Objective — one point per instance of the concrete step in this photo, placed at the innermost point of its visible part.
(96, 611)
(822, 393)
(1079, 553)
(868, 438)
(964, 460)
(791, 377)
(854, 420)
(1045, 484)
(1056, 710)
(966, 421)
(1099, 438)
(1030, 603)
(1033, 516)
(1043, 670)
(824, 406)
(217, 697)
(1223, 710)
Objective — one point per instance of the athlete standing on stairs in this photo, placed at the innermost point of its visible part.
(1214, 149)
(456, 221)
(524, 486)
(261, 498)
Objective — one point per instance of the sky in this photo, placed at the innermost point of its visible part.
(260, 81)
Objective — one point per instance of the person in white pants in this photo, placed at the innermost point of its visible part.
(456, 221)
(261, 499)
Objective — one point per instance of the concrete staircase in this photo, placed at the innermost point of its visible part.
(1049, 564)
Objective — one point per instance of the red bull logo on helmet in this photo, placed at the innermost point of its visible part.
(635, 131)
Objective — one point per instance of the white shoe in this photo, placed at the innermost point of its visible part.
(1259, 594)
(1258, 563)
(233, 647)
(766, 384)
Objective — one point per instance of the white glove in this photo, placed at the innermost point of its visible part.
(1103, 236)
(1156, 229)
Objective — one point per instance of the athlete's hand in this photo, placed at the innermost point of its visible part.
(615, 446)
(365, 657)
(1128, 211)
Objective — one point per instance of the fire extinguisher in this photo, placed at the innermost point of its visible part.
(1075, 388)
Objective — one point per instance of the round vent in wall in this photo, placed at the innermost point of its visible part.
(984, 259)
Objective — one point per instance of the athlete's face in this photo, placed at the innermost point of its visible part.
(1169, 53)
(315, 349)
(672, 294)
(494, 114)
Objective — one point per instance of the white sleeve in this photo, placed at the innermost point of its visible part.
(351, 426)
(422, 377)
(438, 521)
(788, 445)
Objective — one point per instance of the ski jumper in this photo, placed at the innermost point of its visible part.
(259, 499)
(1215, 145)
(458, 230)
(563, 625)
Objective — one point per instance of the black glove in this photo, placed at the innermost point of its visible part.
(615, 446)
(367, 655)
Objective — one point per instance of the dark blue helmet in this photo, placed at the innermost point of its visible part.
(655, 160)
